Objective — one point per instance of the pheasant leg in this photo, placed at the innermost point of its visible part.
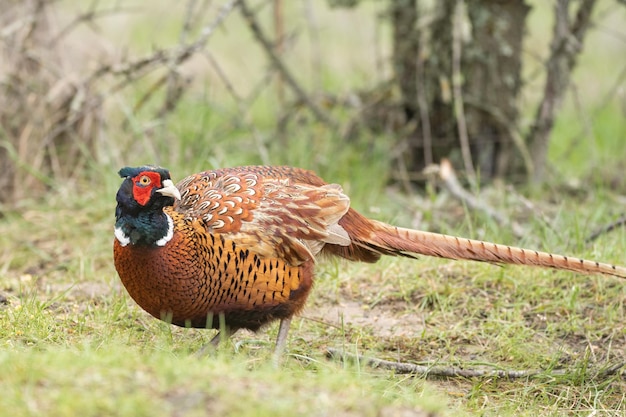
(223, 334)
(281, 339)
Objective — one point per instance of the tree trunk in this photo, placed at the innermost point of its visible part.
(492, 64)
(489, 66)
(422, 65)
(405, 52)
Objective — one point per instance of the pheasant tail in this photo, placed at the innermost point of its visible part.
(405, 242)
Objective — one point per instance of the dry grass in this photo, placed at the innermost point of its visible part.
(49, 118)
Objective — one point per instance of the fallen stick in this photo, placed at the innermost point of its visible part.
(456, 372)
(450, 181)
(606, 229)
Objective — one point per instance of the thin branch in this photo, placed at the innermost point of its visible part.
(87, 17)
(133, 70)
(433, 370)
(456, 372)
(175, 82)
(457, 90)
(565, 47)
(280, 66)
(177, 55)
(606, 229)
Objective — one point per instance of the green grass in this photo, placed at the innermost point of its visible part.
(120, 380)
(73, 343)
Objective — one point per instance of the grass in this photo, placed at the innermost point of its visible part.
(165, 384)
(73, 343)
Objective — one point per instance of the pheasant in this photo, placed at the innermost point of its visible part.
(235, 248)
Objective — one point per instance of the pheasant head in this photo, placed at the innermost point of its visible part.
(139, 215)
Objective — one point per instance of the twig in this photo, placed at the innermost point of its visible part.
(175, 83)
(566, 45)
(280, 66)
(133, 70)
(433, 370)
(450, 181)
(457, 90)
(178, 55)
(606, 229)
(455, 372)
(84, 18)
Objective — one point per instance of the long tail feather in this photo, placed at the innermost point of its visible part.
(399, 241)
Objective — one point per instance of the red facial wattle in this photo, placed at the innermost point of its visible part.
(143, 184)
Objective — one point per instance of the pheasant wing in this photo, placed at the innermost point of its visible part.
(274, 217)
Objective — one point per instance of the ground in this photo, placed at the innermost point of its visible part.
(63, 305)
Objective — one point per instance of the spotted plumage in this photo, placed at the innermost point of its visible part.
(236, 247)
(243, 246)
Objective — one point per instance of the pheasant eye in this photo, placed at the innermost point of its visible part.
(144, 180)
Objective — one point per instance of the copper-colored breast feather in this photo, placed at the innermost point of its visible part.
(276, 217)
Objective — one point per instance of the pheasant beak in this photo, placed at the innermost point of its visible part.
(169, 189)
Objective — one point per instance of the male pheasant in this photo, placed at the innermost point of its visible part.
(236, 247)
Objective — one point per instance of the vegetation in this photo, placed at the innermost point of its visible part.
(73, 343)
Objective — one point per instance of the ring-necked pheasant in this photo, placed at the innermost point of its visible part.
(241, 244)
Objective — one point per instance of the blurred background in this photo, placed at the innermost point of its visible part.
(364, 92)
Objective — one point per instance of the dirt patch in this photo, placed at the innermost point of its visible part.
(383, 321)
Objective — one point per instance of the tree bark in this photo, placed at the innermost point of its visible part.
(492, 63)
(422, 67)
(489, 74)
(405, 52)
